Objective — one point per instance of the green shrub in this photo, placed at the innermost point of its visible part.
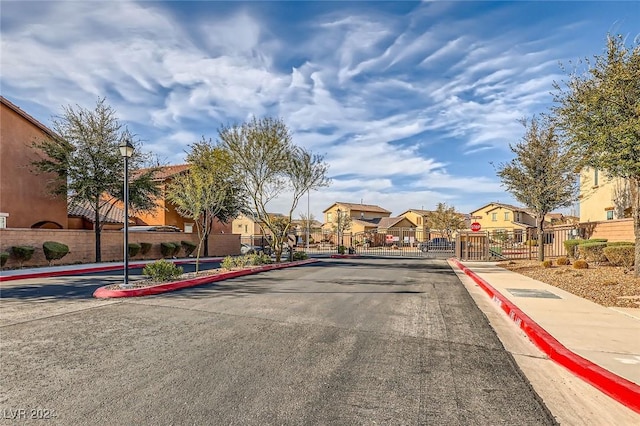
(593, 251)
(300, 255)
(54, 250)
(531, 243)
(562, 261)
(162, 270)
(178, 248)
(4, 256)
(570, 247)
(342, 249)
(620, 243)
(167, 249)
(594, 240)
(547, 264)
(228, 262)
(145, 248)
(134, 249)
(620, 255)
(580, 264)
(188, 247)
(22, 253)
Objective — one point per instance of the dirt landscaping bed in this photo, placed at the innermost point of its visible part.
(606, 285)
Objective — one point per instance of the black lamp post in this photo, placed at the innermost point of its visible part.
(126, 151)
(339, 229)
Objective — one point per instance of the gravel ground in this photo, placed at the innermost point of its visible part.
(604, 284)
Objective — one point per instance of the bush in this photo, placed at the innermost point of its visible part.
(54, 250)
(162, 270)
(620, 255)
(145, 248)
(547, 264)
(580, 264)
(620, 243)
(594, 240)
(228, 262)
(22, 253)
(570, 247)
(188, 247)
(4, 256)
(134, 249)
(562, 261)
(300, 255)
(167, 249)
(342, 249)
(593, 251)
(531, 243)
(178, 248)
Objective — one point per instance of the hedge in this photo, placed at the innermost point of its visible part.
(4, 256)
(22, 253)
(188, 247)
(145, 247)
(620, 255)
(593, 251)
(167, 249)
(54, 250)
(178, 247)
(570, 247)
(134, 249)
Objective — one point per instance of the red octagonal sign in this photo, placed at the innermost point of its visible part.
(475, 226)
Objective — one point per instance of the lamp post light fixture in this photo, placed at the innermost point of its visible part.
(126, 151)
(338, 236)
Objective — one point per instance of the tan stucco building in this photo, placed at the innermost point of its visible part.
(25, 201)
(364, 217)
(503, 217)
(602, 197)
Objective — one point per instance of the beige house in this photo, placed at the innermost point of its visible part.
(364, 217)
(499, 217)
(602, 197)
(419, 218)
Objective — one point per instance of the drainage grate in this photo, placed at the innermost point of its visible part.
(530, 292)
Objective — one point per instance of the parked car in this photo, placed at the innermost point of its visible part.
(249, 249)
(437, 244)
(153, 228)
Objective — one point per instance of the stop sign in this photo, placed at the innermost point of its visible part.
(475, 226)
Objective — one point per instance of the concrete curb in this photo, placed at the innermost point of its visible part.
(104, 293)
(71, 271)
(618, 388)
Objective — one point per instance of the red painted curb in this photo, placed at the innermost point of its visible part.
(344, 256)
(618, 388)
(87, 270)
(103, 292)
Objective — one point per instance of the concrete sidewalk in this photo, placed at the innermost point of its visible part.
(599, 344)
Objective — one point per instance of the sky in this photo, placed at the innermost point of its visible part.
(410, 103)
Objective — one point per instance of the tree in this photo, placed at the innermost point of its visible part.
(84, 156)
(341, 223)
(307, 224)
(207, 191)
(598, 112)
(445, 220)
(268, 165)
(542, 175)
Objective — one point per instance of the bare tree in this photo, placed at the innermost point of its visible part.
(445, 220)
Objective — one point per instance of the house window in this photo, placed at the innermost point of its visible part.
(330, 217)
(246, 229)
(188, 228)
(3, 220)
(494, 217)
(609, 214)
(506, 215)
(419, 220)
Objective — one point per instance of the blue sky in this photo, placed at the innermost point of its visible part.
(408, 101)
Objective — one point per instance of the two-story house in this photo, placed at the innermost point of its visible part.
(605, 206)
(364, 217)
(25, 201)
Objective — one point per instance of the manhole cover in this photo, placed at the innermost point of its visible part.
(530, 292)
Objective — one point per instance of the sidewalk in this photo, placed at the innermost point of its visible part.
(54, 271)
(599, 344)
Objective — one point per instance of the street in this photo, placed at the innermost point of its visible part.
(353, 341)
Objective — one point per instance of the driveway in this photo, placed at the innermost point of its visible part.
(357, 341)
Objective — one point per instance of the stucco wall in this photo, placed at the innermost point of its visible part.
(81, 244)
(23, 194)
(596, 198)
(612, 230)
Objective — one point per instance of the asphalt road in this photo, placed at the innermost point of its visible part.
(340, 342)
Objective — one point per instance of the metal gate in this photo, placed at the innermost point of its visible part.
(390, 242)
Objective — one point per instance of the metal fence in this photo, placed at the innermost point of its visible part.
(502, 245)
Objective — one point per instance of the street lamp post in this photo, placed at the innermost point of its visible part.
(338, 236)
(126, 151)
